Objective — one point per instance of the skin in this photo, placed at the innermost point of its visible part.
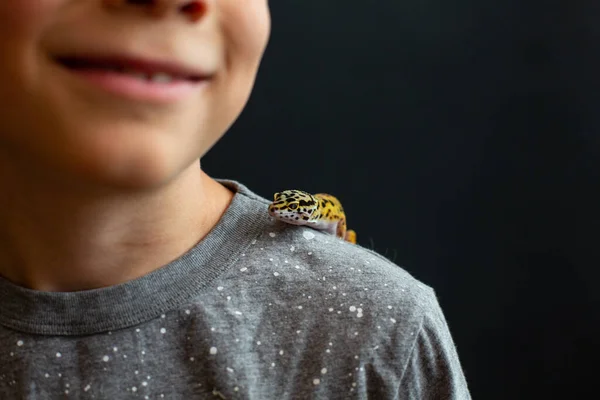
(99, 189)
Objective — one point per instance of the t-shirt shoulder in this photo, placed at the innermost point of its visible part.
(345, 263)
(334, 263)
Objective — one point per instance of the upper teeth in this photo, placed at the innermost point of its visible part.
(161, 77)
(158, 77)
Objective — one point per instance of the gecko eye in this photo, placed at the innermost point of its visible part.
(293, 206)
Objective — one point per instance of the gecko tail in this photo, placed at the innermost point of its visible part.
(350, 236)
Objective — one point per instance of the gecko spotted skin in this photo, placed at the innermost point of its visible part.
(320, 211)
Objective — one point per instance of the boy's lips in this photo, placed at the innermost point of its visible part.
(136, 78)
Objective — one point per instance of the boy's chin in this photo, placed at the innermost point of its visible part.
(139, 172)
(130, 163)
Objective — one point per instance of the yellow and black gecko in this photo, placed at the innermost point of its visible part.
(319, 211)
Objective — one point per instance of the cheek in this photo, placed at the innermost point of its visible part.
(21, 24)
(23, 17)
(247, 28)
(22, 27)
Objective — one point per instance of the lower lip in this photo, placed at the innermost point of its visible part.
(128, 86)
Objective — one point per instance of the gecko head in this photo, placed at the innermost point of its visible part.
(293, 206)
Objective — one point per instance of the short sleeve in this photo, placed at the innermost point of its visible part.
(433, 370)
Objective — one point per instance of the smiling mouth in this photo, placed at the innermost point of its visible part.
(136, 79)
(143, 70)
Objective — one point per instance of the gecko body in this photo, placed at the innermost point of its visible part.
(319, 211)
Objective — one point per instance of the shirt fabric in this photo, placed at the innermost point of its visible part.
(258, 309)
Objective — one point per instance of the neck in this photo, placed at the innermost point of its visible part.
(55, 240)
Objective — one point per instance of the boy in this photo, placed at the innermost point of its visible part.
(126, 272)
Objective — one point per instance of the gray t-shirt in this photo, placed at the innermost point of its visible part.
(257, 310)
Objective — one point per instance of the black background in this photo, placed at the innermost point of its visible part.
(463, 139)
